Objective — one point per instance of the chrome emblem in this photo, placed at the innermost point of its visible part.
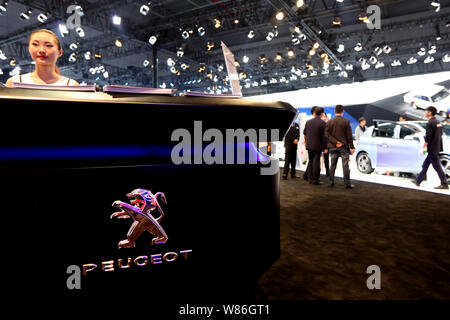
(143, 202)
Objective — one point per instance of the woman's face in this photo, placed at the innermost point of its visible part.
(43, 49)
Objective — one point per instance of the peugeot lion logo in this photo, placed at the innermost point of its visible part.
(143, 202)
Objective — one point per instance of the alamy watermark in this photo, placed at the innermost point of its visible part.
(374, 16)
(212, 147)
(374, 281)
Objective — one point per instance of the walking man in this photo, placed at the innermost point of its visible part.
(340, 144)
(433, 143)
(315, 144)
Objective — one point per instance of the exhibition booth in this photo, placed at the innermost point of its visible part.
(384, 101)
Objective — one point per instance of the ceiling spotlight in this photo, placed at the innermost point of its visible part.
(446, 58)
(278, 57)
(116, 20)
(336, 22)
(251, 34)
(340, 48)
(432, 50)
(217, 23)
(316, 29)
(373, 60)
(2, 55)
(118, 43)
(312, 52)
(365, 65)
(73, 46)
(201, 31)
(411, 60)
(295, 39)
(242, 75)
(363, 17)
(106, 74)
(422, 51)
(73, 57)
(428, 60)
(358, 47)
(245, 59)
(300, 3)
(171, 62)
(146, 63)
(280, 16)
(297, 29)
(309, 66)
(185, 34)
(63, 30)
(236, 21)
(152, 40)
(237, 64)
(396, 63)
(145, 8)
(80, 32)
(378, 51)
(97, 56)
(270, 36)
(12, 62)
(42, 17)
(291, 53)
(379, 65)
(26, 15)
(316, 45)
(349, 67)
(3, 6)
(262, 59)
(387, 49)
(210, 45)
(436, 4)
(275, 31)
(180, 52)
(87, 55)
(184, 66)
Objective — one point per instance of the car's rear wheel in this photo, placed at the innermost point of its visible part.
(445, 163)
(364, 163)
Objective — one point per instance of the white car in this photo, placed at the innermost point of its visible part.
(398, 146)
(435, 95)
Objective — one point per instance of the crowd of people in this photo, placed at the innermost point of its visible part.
(333, 139)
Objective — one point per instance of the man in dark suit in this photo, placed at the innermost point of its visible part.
(340, 144)
(315, 144)
(290, 145)
(433, 144)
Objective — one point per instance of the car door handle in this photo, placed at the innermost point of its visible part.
(383, 145)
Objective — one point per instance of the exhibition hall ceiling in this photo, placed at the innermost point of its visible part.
(279, 45)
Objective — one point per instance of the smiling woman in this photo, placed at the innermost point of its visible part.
(45, 50)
